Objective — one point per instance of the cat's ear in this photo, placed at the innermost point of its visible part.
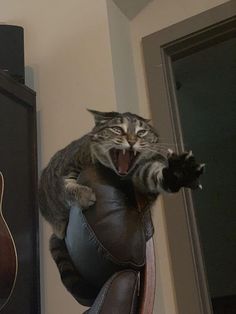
(143, 119)
(103, 117)
(147, 120)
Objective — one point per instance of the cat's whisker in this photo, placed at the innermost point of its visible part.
(167, 139)
(167, 144)
(159, 150)
(107, 149)
(161, 146)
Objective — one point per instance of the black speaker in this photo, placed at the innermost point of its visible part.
(12, 51)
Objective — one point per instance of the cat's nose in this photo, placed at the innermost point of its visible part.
(131, 142)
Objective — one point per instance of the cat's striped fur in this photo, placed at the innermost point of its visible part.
(81, 290)
(131, 138)
(149, 177)
(126, 133)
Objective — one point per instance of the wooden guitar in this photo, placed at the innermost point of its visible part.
(8, 256)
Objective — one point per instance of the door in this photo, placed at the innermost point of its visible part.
(191, 75)
(206, 97)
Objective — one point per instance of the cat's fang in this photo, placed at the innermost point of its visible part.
(123, 160)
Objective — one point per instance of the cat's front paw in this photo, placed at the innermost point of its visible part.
(183, 171)
(81, 194)
(86, 196)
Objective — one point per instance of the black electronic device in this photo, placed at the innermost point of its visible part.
(12, 51)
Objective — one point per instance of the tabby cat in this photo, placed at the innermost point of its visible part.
(123, 142)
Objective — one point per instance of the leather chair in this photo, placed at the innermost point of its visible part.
(107, 244)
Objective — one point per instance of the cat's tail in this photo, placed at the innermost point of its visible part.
(83, 292)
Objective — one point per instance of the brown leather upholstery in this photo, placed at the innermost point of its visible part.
(116, 219)
(119, 295)
(107, 242)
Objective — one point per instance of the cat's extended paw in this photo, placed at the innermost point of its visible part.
(183, 171)
(81, 194)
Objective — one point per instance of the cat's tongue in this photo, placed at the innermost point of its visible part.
(123, 161)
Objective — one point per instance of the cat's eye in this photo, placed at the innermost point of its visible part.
(142, 133)
(117, 130)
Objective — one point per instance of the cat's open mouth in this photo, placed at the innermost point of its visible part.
(123, 160)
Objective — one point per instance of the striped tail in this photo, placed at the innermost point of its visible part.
(83, 292)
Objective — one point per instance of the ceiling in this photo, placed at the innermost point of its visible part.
(131, 7)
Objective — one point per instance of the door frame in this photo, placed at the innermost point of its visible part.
(159, 50)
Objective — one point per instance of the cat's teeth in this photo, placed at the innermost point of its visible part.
(135, 152)
(123, 151)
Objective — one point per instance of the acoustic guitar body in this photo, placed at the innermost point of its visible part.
(8, 256)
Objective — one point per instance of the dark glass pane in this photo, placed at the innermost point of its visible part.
(206, 94)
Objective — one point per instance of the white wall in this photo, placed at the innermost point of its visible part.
(122, 60)
(67, 45)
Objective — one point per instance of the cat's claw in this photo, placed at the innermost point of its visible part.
(201, 167)
(170, 152)
(190, 154)
(184, 171)
(92, 199)
(86, 197)
(81, 194)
